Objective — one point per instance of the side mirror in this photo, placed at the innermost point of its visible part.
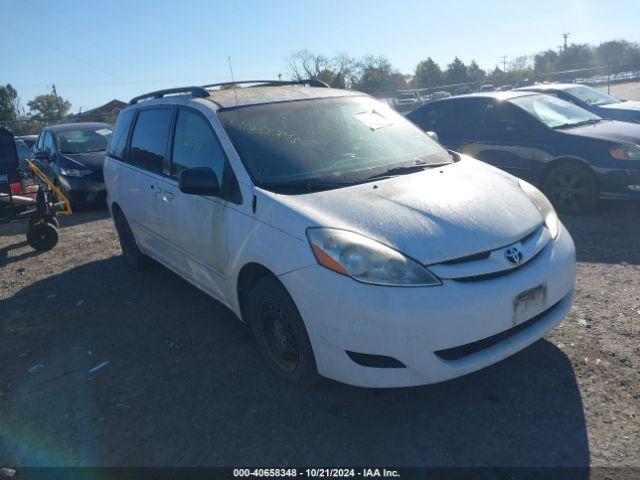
(42, 155)
(199, 181)
(517, 127)
(433, 136)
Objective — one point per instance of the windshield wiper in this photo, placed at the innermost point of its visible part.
(404, 169)
(304, 185)
(578, 124)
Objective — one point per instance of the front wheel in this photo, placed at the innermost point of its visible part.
(571, 189)
(280, 333)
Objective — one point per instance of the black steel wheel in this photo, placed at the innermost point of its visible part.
(571, 188)
(280, 332)
(130, 251)
(42, 236)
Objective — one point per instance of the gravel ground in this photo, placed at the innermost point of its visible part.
(185, 386)
(626, 91)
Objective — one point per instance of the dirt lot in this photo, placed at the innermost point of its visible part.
(185, 385)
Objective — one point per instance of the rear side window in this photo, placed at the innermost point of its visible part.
(489, 119)
(195, 145)
(150, 138)
(442, 118)
(118, 142)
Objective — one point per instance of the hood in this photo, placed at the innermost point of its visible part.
(629, 105)
(435, 215)
(611, 130)
(91, 161)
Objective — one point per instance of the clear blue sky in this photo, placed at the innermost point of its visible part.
(98, 50)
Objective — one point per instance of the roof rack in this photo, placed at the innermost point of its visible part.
(198, 92)
(312, 82)
(201, 92)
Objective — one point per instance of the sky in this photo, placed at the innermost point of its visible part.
(94, 51)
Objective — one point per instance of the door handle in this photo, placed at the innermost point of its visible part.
(168, 196)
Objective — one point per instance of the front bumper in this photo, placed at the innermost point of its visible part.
(83, 190)
(622, 184)
(412, 324)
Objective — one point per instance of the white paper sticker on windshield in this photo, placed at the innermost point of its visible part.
(373, 119)
(103, 131)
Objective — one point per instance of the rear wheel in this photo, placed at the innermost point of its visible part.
(42, 236)
(571, 189)
(130, 251)
(280, 332)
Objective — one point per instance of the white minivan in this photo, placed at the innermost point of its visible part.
(355, 246)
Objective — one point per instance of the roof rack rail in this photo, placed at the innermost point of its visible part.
(312, 82)
(198, 92)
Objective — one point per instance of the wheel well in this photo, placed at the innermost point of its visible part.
(564, 161)
(115, 208)
(249, 275)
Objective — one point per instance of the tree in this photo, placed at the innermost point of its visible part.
(377, 75)
(338, 71)
(428, 74)
(456, 72)
(617, 52)
(575, 56)
(545, 62)
(8, 103)
(475, 73)
(48, 106)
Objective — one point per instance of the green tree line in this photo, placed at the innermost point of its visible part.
(375, 74)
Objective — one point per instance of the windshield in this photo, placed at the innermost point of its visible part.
(83, 141)
(335, 140)
(591, 96)
(24, 152)
(554, 112)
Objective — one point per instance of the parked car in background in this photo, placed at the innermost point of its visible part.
(407, 101)
(592, 99)
(439, 95)
(72, 155)
(504, 88)
(24, 154)
(30, 140)
(353, 245)
(462, 91)
(487, 88)
(575, 156)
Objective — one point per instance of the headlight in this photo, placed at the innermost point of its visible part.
(625, 152)
(74, 172)
(544, 205)
(366, 260)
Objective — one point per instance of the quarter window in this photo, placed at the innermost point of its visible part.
(118, 143)
(195, 145)
(150, 138)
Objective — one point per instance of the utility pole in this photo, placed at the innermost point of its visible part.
(504, 63)
(565, 36)
(55, 93)
(279, 76)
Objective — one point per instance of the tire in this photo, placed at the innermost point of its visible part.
(131, 254)
(42, 236)
(52, 220)
(571, 189)
(280, 333)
